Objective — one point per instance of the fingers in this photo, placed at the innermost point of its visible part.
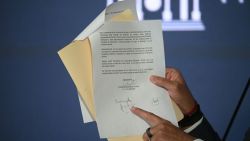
(157, 124)
(173, 74)
(150, 118)
(177, 89)
(153, 130)
(159, 130)
(161, 127)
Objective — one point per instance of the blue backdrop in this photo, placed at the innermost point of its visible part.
(38, 100)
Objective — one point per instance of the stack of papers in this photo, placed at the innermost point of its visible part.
(110, 63)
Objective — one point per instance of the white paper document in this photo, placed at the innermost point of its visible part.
(105, 15)
(125, 55)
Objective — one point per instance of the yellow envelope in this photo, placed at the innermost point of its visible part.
(80, 66)
(78, 61)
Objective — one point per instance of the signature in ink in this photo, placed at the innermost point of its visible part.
(125, 105)
(155, 101)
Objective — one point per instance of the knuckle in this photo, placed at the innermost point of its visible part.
(161, 126)
(161, 132)
(176, 86)
(161, 81)
(164, 126)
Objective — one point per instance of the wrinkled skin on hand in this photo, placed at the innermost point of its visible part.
(162, 130)
(176, 86)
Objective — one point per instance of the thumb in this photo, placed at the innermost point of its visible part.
(162, 82)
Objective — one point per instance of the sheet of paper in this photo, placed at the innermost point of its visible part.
(118, 11)
(106, 15)
(127, 15)
(124, 55)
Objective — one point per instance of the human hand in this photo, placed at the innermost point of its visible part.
(175, 84)
(161, 129)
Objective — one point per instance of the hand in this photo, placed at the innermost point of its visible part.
(175, 84)
(162, 130)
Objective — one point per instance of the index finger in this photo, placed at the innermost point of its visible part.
(149, 117)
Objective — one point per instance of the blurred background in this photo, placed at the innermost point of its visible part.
(38, 100)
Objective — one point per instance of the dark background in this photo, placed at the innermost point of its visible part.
(38, 100)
